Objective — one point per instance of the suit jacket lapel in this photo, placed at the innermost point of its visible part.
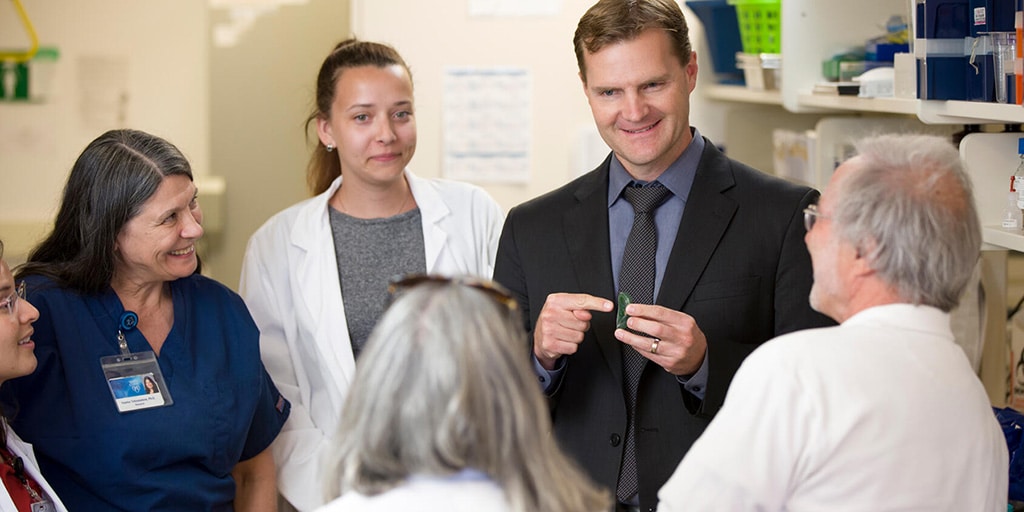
(588, 249)
(706, 216)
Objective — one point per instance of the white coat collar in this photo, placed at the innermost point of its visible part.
(313, 223)
(318, 263)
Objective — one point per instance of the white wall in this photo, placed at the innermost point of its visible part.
(162, 46)
(262, 89)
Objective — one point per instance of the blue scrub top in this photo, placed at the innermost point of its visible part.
(179, 457)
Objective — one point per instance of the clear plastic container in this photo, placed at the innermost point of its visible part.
(1004, 52)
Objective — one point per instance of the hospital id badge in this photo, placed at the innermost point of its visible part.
(135, 381)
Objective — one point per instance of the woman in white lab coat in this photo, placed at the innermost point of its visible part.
(315, 275)
(25, 490)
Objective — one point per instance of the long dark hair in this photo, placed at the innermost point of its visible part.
(109, 183)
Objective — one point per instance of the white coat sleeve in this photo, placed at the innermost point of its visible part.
(264, 285)
(491, 218)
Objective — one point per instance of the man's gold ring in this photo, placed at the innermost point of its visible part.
(654, 346)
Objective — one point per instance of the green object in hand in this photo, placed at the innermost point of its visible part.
(622, 317)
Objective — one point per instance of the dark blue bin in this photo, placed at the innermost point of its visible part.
(723, 36)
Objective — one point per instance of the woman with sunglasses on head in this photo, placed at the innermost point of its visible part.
(121, 300)
(26, 490)
(446, 415)
(315, 275)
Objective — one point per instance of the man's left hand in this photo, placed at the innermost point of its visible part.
(678, 345)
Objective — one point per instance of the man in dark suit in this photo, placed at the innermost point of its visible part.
(730, 268)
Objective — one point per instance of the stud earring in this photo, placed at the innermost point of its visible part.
(330, 147)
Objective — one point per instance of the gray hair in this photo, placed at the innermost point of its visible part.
(108, 186)
(910, 210)
(443, 385)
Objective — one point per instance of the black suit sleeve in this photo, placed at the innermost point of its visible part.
(508, 269)
(789, 307)
(794, 278)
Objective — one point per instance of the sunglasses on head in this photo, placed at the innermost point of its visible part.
(490, 288)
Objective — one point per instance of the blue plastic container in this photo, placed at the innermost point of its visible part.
(723, 36)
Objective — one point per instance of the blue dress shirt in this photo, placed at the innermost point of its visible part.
(678, 179)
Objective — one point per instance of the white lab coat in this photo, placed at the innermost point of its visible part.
(24, 450)
(290, 283)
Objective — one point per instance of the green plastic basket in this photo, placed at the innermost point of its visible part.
(760, 25)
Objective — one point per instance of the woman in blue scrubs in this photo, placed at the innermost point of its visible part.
(120, 301)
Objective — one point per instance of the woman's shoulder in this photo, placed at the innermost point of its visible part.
(455, 188)
(282, 221)
(43, 289)
(212, 301)
(203, 287)
(39, 282)
(456, 195)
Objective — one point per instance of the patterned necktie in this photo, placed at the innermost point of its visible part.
(636, 277)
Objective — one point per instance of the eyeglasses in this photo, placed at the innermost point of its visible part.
(811, 216)
(490, 288)
(10, 303)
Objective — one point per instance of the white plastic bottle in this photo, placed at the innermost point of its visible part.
(1012, 220)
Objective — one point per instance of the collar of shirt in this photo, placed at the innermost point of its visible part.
(678, 178)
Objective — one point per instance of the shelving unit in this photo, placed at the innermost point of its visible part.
(813, 31)
(998, 238)
(855, 104)
(969, 112)
(740, 93)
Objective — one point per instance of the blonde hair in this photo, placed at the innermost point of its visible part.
(612, 21)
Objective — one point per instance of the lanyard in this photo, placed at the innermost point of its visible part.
(135, 379)
(129, 320)
(19, 472)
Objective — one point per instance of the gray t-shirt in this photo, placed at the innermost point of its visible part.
(370, 252)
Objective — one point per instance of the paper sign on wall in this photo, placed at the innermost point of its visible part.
(486, 124)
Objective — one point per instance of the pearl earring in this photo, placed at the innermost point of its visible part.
(330, 147)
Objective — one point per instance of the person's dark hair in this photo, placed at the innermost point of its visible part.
(324, 166)
(613, 21)
(110, 182)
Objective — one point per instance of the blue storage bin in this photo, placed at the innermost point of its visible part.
(942, 26)
(723, 36)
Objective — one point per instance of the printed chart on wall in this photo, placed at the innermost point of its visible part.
(486, 124)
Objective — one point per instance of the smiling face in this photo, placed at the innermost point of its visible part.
(16, 348)
(371, 124)
(158, 244)
(639, 94)
(832, 259)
